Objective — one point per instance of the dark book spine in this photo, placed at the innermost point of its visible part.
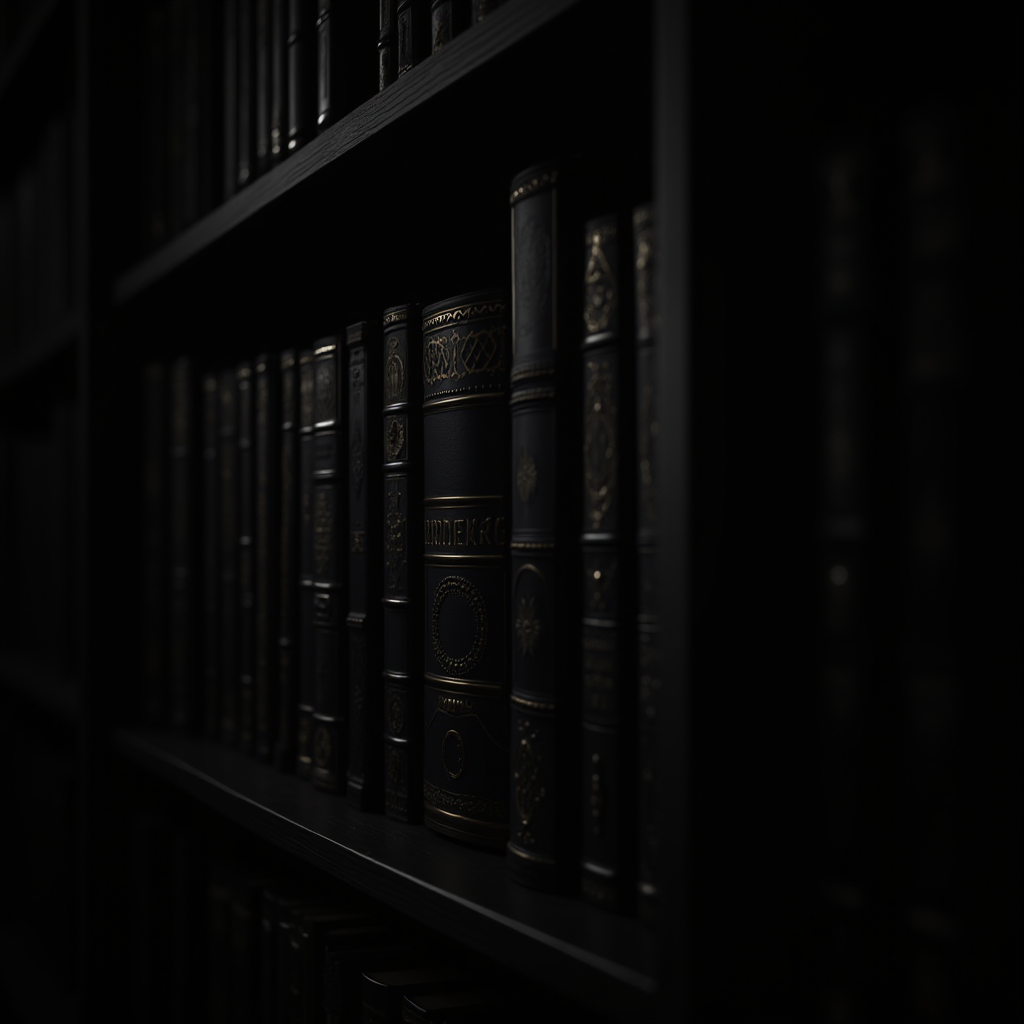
(465, 567)
(266, 549)
(210, 130)
(246, 567)
(183, 548)
(326, 63)
(365, 693)
(608, 626)
(211, 558)
(403, 616)
(230, 92)
(301, 72)
(544, 521)
(447, 19)
(152, 706)
(330, 570)
(229, 553)
(246, 109)
(387, 45)
(278, 79)
(481, 8)
(262, 85)
(413, 33)
(648, 660)
(289, 652)
(307, 661)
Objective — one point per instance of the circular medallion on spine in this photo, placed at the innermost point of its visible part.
(459, 588)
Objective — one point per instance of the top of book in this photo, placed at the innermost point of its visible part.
(532, 180)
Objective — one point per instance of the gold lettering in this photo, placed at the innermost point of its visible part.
(460, 533)
(471, 533)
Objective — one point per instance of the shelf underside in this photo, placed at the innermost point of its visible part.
(579, 950)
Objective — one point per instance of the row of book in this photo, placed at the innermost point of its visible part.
(495, 675)
(237, 86)
(36, 238)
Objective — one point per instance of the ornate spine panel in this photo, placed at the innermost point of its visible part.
(211, 560)
(365, 768)
(267, 540)
(447, 19)
(545, 654)
(228, 468)
(288, 653)
(465, 566)
(607, 576)
(246, 574)
(182, 653)
(301, 72)
(306, 676)
(413, 33)
(403, 497)
(330, 699)
(648, 664)
(153, 699)
(387, 49)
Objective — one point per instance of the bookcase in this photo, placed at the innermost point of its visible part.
(839, 836)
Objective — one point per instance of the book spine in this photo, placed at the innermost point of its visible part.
(387, 46)
(365, 782)
(182, 652)
(289, 652)
(481, 8)
(246, 110)
(607, 625)
(246, 569)
(230, 93)
(330, 702)
(447, 19)
(301, 72)
(307, 682)
(262, 85)
(403, 497)
(156, 89)
(211, 558)
(326, 37)
(229, 554)
(648, 647)
(278, 79)
(544, 521)
(413, 33)
(152, 706)
(465, 567)
(191, 102)
(267, 546)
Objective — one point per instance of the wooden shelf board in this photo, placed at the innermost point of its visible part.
(470, 50)
(581, 951)
(39, 683)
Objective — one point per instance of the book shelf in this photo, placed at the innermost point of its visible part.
(769, 744)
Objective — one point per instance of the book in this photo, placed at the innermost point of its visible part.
(289, 652)
(230, 95)
(384, 991)
(245, 112)
(461, 1005)
(648, 649)
(263, 85)
(307, 660)
(402, 563)
(465, 567)
(387, 45)
(481, 8)
(365, 776)
(345, 67)
(278, 79)
(227, 465)
(543, 709)
(330, 569)
(413, 33)
(246, 563)
(608, 623)
(267, 551)
(328, 54)
(301, 72)
(447, 19)
(345, 964)
(211, 558)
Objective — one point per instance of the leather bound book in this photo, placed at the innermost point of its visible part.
(365, 775)
(288, 651)
(301, 72)
(262, 84)
(465, 566)
(183, 544)
(246, 564)
(227, 465)
(330, 569)
(278, 79)
(211, 559)
(307, 661)
(344, 64)
(328, 55)
(387, 44)
(384, 991)
(267, 551)
(648, 648)
(402, 593)
(345, 964)
(447, 19)
(543, 833)
(413, 33)
(246, 110)
(608, 625)
(153, 700)
(481, 8)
